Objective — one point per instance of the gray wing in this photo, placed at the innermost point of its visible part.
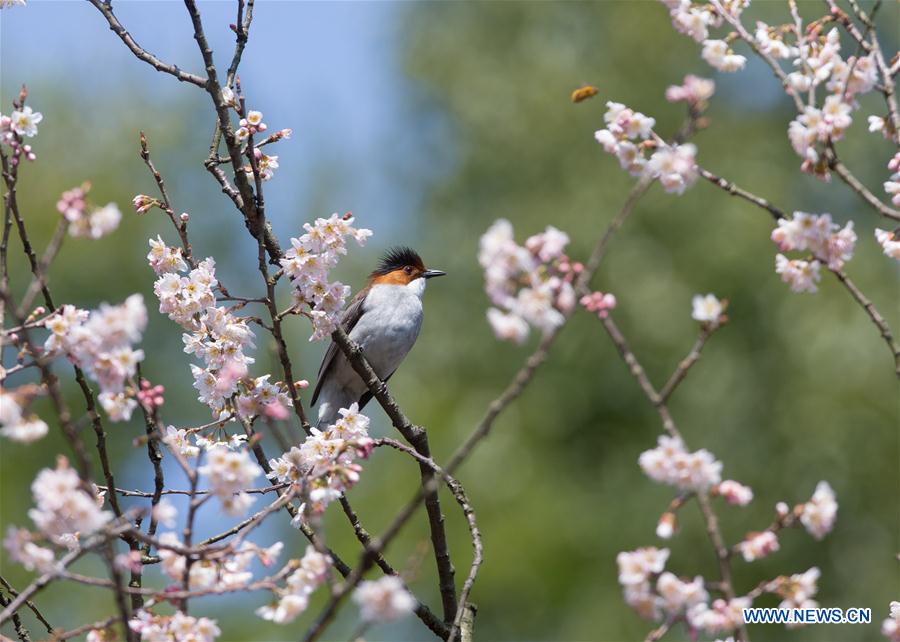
(348, 321)
(367, 395)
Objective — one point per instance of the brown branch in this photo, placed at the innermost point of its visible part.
(116, 27)
(873, 313)
(21, 630)
(659, 632)
(60, 565)
(692, 357)
(255, 224)
(459, 494)
(418, 438)
(734, 190)
(28, 603)
(856, 185)
(858, 296)
(180, 226)
(38, 283)
(74, 633)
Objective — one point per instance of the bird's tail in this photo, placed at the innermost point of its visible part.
(329, 405)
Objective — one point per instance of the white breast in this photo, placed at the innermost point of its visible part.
(390, 324)
(387, 330)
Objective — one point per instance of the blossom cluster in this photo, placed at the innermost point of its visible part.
(308, 262)
(293, 599)
(599, 303)
(828, 242)
(797, 591)
(890, 628)
(530, 284)
(20, 123)
(671, 463)
(629, 137)
(695, 21)
(85, 221)
(819, 513)
(249, 125)
(819, 61)
(214, 335)
(228, 573)
(892, 185)
(179, 627)
(15, 423)
(651, 592)
(643, 568)
(694, 90)
(722, 616)
(815, 55)
(325, 459)
(229, 472)
(733, 492)
(64, 512)
(758, 545)
(383, 599)
(889, 242)
(100, 342)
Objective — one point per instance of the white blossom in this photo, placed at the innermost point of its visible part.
(384, 599)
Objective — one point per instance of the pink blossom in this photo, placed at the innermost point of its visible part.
(820, 512)
(599, 303)
(758, 545)
(694, 90)
(734, 493)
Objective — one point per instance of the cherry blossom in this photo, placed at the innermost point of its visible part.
(890, 628)
(694, 90)
(734, 493)
(892, 186)
(530, 285)
(85, 222)
(719, 617)
(758, 545)
(179, 627)
(889, 242)
(707, 309)
(636, 569)
(670, 463)
(25, 121)
(308, 262)
(830, 243)
(64, 512)
(599, 303)
(326, 459)
(15, 424)
(383, 599)
(720, 56)
(820, 512)
(677, 594)
(802, 276)
(229, 473)
(294, 598)
(101, 343)
(20, 545)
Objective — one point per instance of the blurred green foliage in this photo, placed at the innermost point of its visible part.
(796, 388)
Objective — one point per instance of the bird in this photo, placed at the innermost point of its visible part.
(384, 319)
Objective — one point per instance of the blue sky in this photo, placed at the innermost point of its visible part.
(329, 71)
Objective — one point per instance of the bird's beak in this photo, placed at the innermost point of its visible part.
(428, 274)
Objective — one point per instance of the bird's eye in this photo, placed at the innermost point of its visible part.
(408, 269)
